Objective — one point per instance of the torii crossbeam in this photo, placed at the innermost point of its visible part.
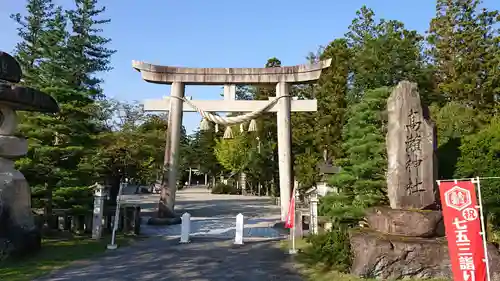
(281, 77)
(229, 105)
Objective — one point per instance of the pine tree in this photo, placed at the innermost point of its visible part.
(304, 146)
(317, 135)
(267, 134)
(465, 52)
(86, 56)
(202, 147)
(57, 142)
(42, 41)
(384, 53)
(87, 47)
(31, 30)
(306, 154)
(361, 182)
(331, 93)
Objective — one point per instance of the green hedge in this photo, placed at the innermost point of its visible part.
(77, 198)
(331, 248)
(221, 188)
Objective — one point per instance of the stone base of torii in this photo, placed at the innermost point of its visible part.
(281, 77)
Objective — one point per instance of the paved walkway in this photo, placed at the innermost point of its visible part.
(210, 257)
(214, 215)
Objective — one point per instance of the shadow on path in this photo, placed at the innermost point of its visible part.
(200, 203)
(204, 259)
(215, 208)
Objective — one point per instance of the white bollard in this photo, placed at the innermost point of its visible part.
(238, 238)
(185, 228)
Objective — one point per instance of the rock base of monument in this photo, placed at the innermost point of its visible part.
(403, 244)
(413, 223)
(384, 256)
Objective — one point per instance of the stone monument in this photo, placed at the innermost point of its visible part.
(411, 146)
(18, 232)
(406, 240)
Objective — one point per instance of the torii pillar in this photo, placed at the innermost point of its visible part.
(281, 77)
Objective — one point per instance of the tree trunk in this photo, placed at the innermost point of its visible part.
(114, 188)
(48, 207)
(243, 183)
(275, 186)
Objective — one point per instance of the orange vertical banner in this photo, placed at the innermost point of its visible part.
(463, 230)
(290, 217)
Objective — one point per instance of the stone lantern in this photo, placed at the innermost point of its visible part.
(19, 235)
(100, 194)
(326, 170)
(312, 194)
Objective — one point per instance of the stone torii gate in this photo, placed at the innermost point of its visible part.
(280, 77)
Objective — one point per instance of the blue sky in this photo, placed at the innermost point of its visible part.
(220, 33)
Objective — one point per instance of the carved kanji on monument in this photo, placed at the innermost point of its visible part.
(411, 144)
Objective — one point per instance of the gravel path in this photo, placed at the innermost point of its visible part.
(211, 256)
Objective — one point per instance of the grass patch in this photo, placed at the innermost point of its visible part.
(313, 271)
(55, 254)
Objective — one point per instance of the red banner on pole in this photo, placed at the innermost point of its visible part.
(290, 217)
(463, 230)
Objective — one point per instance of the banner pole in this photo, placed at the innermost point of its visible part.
(483, 229)
(292, 235)
(293, 251)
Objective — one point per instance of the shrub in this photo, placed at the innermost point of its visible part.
(332, 249)
(79, 198)
(480, 156)
(221, 188)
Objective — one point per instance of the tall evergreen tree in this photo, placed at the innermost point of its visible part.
(31, 29)
(362, 181)
(465, 52)
(384, 53)
(87, 47)
(57, 142)
(202, 148)
(306, 153)
(331, 93)
(44, 165)
(267, 132)
(87, 55)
